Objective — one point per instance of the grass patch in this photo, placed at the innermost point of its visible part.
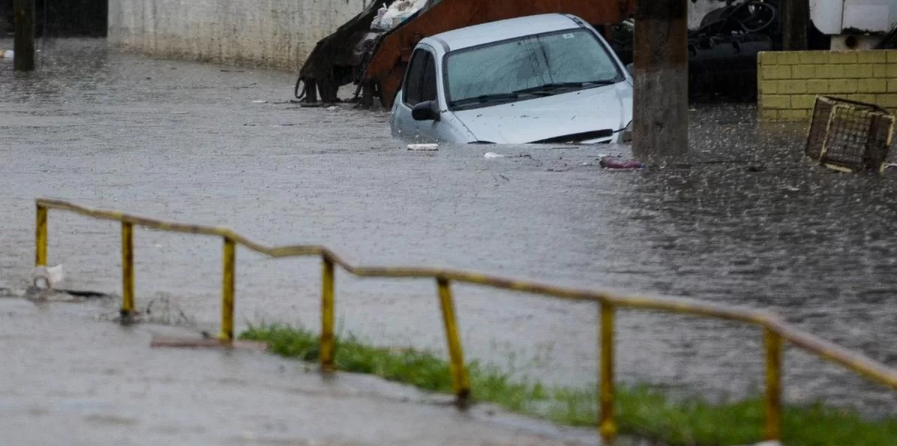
(641, 411)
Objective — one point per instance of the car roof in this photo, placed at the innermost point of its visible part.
(503, 30)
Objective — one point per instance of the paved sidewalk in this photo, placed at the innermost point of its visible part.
(70, 378)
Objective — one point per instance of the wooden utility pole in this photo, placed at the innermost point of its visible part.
(23, 60)
(660, 106)
(796, 22)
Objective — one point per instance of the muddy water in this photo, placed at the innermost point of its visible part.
(69, 379)
(752, 224)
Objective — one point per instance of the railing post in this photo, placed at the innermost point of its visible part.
(607, 426)
(227, 291)
(40, 253)
(127, 271)
(327, 294)
(773, 400)
(460, 380)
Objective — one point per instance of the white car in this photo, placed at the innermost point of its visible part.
(540, 79)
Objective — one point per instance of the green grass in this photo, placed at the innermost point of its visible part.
(642, 411)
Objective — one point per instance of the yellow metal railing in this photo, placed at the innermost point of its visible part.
(776, 331)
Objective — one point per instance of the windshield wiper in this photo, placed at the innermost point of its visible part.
(553, 87)
(482, 99)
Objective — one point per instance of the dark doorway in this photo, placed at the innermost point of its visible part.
(61, 18)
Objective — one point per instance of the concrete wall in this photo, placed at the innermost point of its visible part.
(789, 81)
(269, 33)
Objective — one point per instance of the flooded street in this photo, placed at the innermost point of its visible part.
(752, 223)
(117, 391)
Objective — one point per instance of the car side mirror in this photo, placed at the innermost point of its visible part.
(629, 69)
(426, 111)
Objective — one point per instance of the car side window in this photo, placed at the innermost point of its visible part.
(428, 87)
(415, 76)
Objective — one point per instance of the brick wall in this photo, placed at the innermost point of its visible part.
(789, 81)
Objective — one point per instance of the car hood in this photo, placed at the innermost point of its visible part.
(533, 120)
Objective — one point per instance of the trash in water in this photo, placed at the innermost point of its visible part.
(332, 108)
(259, 102)
(48, 277)
(491, 155)
(423, 147)
(392, 16)
(7, 54)
(850, 136)
(610, 162)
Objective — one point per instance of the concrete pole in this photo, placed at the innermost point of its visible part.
(24, 39)
(795, 23)
(660, 121)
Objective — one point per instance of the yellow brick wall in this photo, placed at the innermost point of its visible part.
(789, 81)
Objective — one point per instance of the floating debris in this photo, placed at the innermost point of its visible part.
(48, 277)
(610, 162)
(423, 147)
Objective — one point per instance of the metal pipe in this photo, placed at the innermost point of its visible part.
(40, 256)
(773, 400)
(460, 380)
(607, 424)
(227, 291)
(327, 305)
(127, 270)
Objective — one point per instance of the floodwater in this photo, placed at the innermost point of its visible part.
(117, 391)
(752, 224)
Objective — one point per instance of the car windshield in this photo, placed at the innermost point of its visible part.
(528, 67)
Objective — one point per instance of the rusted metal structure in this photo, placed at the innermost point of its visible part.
(338, 59)
(775, 330)
(382, 58)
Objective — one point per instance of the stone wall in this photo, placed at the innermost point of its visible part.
(266, 33)
(789, 81)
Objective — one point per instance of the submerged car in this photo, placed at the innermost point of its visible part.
(548, 78)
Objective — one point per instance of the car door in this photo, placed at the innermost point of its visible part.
(419, 86)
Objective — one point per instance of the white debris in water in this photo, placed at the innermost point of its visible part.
(259, 102)
(423, 147)
(7, 54)
(332, 108)
(492, 155)
(48, 277)
(392, 17)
